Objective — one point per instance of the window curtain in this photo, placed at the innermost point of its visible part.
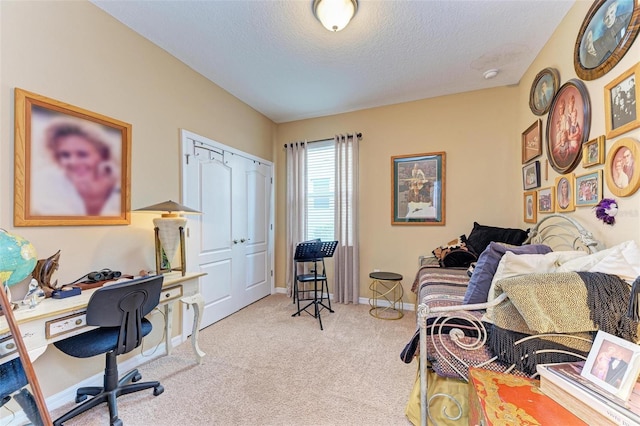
(296, 205)
(347, 255)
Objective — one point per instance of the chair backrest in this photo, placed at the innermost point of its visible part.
(124, 305)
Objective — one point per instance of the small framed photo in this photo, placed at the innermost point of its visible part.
(531, 175)
(530, 211)
(564, 193)
(544, 87)
(532, 142)
(621, 175)
(593, 152)
(613, 364)
(622, 103)
(589, 188)
(546, 200)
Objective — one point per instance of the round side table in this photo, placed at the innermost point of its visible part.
(386, 287)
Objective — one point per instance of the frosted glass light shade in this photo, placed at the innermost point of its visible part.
(334, 14)
(169, 234)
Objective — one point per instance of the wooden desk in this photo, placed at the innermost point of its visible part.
(57, 319)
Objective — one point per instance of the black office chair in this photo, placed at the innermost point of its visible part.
(119, 310)
(13, 379)
(314, 252)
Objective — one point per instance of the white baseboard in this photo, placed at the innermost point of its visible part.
(406, 306)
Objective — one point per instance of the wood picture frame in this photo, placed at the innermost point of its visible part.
(622, 103)
(529, 207)
(532, 142)
(593, 152)
(621, 175)
(531, 175)
(564, 193)
(546, 200)
(605, 36)
(418, 189)
(588, 188)
(543, 89)
(568, 126)
(613, 364)
(72, 166)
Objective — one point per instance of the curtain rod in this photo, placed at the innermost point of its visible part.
(358, 135)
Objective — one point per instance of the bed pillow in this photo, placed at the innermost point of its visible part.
(482, 235)
(584, 264)
(480, 282)
(624, 262)
(455, 253)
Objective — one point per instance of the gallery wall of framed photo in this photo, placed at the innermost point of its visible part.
(582, 136)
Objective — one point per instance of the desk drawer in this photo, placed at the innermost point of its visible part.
(7, 346)
(65, 325)
(170, 293)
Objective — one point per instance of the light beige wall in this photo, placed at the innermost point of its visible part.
(474, 129)
(558, 53)
(75, 53)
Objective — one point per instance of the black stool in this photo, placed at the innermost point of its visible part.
(386, 287)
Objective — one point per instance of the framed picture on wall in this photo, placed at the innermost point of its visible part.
(72, 166)
(532, 142)
(593, 152)
(564, 194)
(589, 188)
(531, 175)
(605, 36)
(530, 210)
(622, 103)
(621, 174)
(544, 87)
(546, 200)
(418, 189)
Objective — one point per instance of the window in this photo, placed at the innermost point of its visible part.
(320, 190)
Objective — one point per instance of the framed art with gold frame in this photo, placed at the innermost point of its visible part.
(622, 103)
(418, 189)
(52, 139)
(605, 36)
(532, 142)
(530, 210)
(621, 175)
(588, 188)
(593, 152)
(544, 87)
(564, 193)
(546, 200)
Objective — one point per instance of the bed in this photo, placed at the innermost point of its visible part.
(521, 322)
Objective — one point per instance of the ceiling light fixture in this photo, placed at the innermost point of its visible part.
(489, 74)
(334, 14)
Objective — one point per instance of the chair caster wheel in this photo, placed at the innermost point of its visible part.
(136, 378)
(80, 398)
(116, 422)
(158, 390)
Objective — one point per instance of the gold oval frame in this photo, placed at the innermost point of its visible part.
(545, 74)
(634, 146)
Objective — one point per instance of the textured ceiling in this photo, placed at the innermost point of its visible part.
(275, 56)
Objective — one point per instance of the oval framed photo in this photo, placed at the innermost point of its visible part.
(621, 175)
(543, 88)
(605, 36)
(568, 126)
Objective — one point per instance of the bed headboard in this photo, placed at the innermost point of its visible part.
(562, 232)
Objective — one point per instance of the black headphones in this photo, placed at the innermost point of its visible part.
(102, 275)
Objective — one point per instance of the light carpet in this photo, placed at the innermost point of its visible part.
(264, 367)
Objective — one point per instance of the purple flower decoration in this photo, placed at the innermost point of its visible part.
(606, 210)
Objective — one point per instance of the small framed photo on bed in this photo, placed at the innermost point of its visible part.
(530, 211)
(546, 200)
(564, 194)
(613, 364)
(593, 152)
(531, 175)
(589, 189)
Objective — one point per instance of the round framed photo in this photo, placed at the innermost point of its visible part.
(568, 126)
(623, 179)
(544, 87)
(606, 34)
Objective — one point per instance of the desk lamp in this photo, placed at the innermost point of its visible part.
(169, 234)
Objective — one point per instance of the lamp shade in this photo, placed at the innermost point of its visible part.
(17, 258)
(334, 14)
(168, 206)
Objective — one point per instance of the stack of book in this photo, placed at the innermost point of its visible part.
(589, 402)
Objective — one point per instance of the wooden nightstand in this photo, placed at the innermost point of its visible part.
(503, 399)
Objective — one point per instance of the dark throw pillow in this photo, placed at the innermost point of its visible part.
(482, 235)
(454, 254)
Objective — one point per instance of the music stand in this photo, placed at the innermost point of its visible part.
(313, 251)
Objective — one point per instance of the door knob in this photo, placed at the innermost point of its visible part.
(242, 240)
(235, 241)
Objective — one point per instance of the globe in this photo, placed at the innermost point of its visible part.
(17, 258)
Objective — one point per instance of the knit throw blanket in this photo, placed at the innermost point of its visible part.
(568, 307)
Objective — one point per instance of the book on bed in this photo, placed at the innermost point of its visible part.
(563, 383)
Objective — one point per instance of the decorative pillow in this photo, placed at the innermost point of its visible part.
(455, 253)
(480, 282)
(482, 235)
(624, 262)
(585, 263)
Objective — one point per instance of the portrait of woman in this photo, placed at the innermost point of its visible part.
(75, 166)
(564, 194)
